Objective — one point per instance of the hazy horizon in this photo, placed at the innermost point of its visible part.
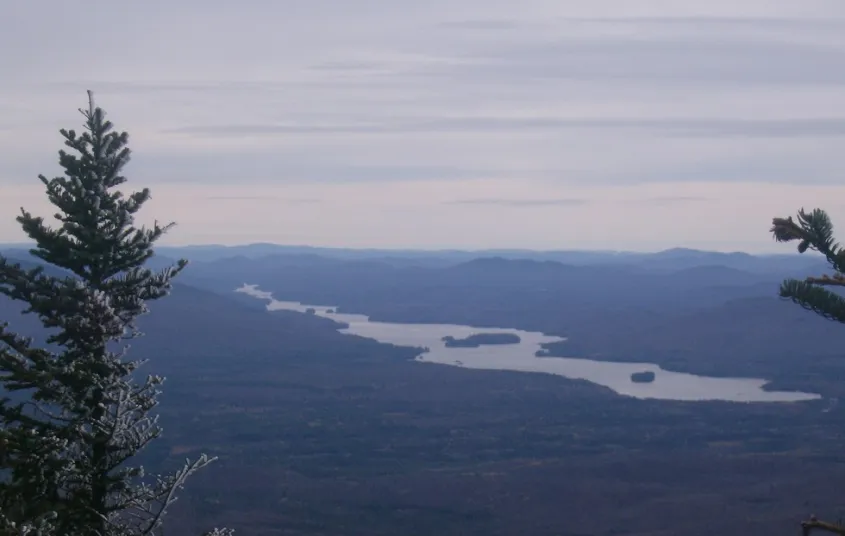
(540, 125)
(787, 251)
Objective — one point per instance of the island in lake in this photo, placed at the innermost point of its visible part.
(642, 377)
(479, 339)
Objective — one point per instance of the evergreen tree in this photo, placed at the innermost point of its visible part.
(74, 412)
(814, 231)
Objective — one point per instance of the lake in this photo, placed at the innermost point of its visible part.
(522, 357)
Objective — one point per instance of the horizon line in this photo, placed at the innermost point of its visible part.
(423, 250)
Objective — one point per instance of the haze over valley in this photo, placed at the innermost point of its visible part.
(454, 268)
(317, 424)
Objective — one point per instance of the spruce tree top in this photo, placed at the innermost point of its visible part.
(66, 447)
(96, 239)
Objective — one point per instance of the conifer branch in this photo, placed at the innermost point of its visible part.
(65, 452)
(837, 280)
(814, 231)
(813, 525)
(814, 298)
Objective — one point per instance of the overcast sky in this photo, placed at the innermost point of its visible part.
(548, 124)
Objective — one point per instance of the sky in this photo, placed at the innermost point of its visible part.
(541, 124)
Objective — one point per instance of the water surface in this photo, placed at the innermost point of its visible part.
(522, 357)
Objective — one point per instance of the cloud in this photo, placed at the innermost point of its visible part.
(480, 24)
(521, 203)
(264, 199)
(419, 214)
(395, 113)
(814, 23)
(661, 200)
(246, 168)
(703, 60)
(694, 127)
(348, 65)
(674, 199)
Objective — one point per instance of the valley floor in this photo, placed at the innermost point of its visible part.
(395, 447)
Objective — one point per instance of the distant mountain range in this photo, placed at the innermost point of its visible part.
(688, 310)
(194, 331)
(670, 259)
(317, 431)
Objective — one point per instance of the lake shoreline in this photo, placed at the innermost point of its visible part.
(775, 385)
(668, 385)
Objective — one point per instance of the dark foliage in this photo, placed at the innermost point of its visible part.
(321, 433)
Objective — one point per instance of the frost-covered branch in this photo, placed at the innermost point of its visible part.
(814, 525)
(78, 416)
(814, 231)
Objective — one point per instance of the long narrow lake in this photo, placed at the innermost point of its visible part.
(522, 357)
